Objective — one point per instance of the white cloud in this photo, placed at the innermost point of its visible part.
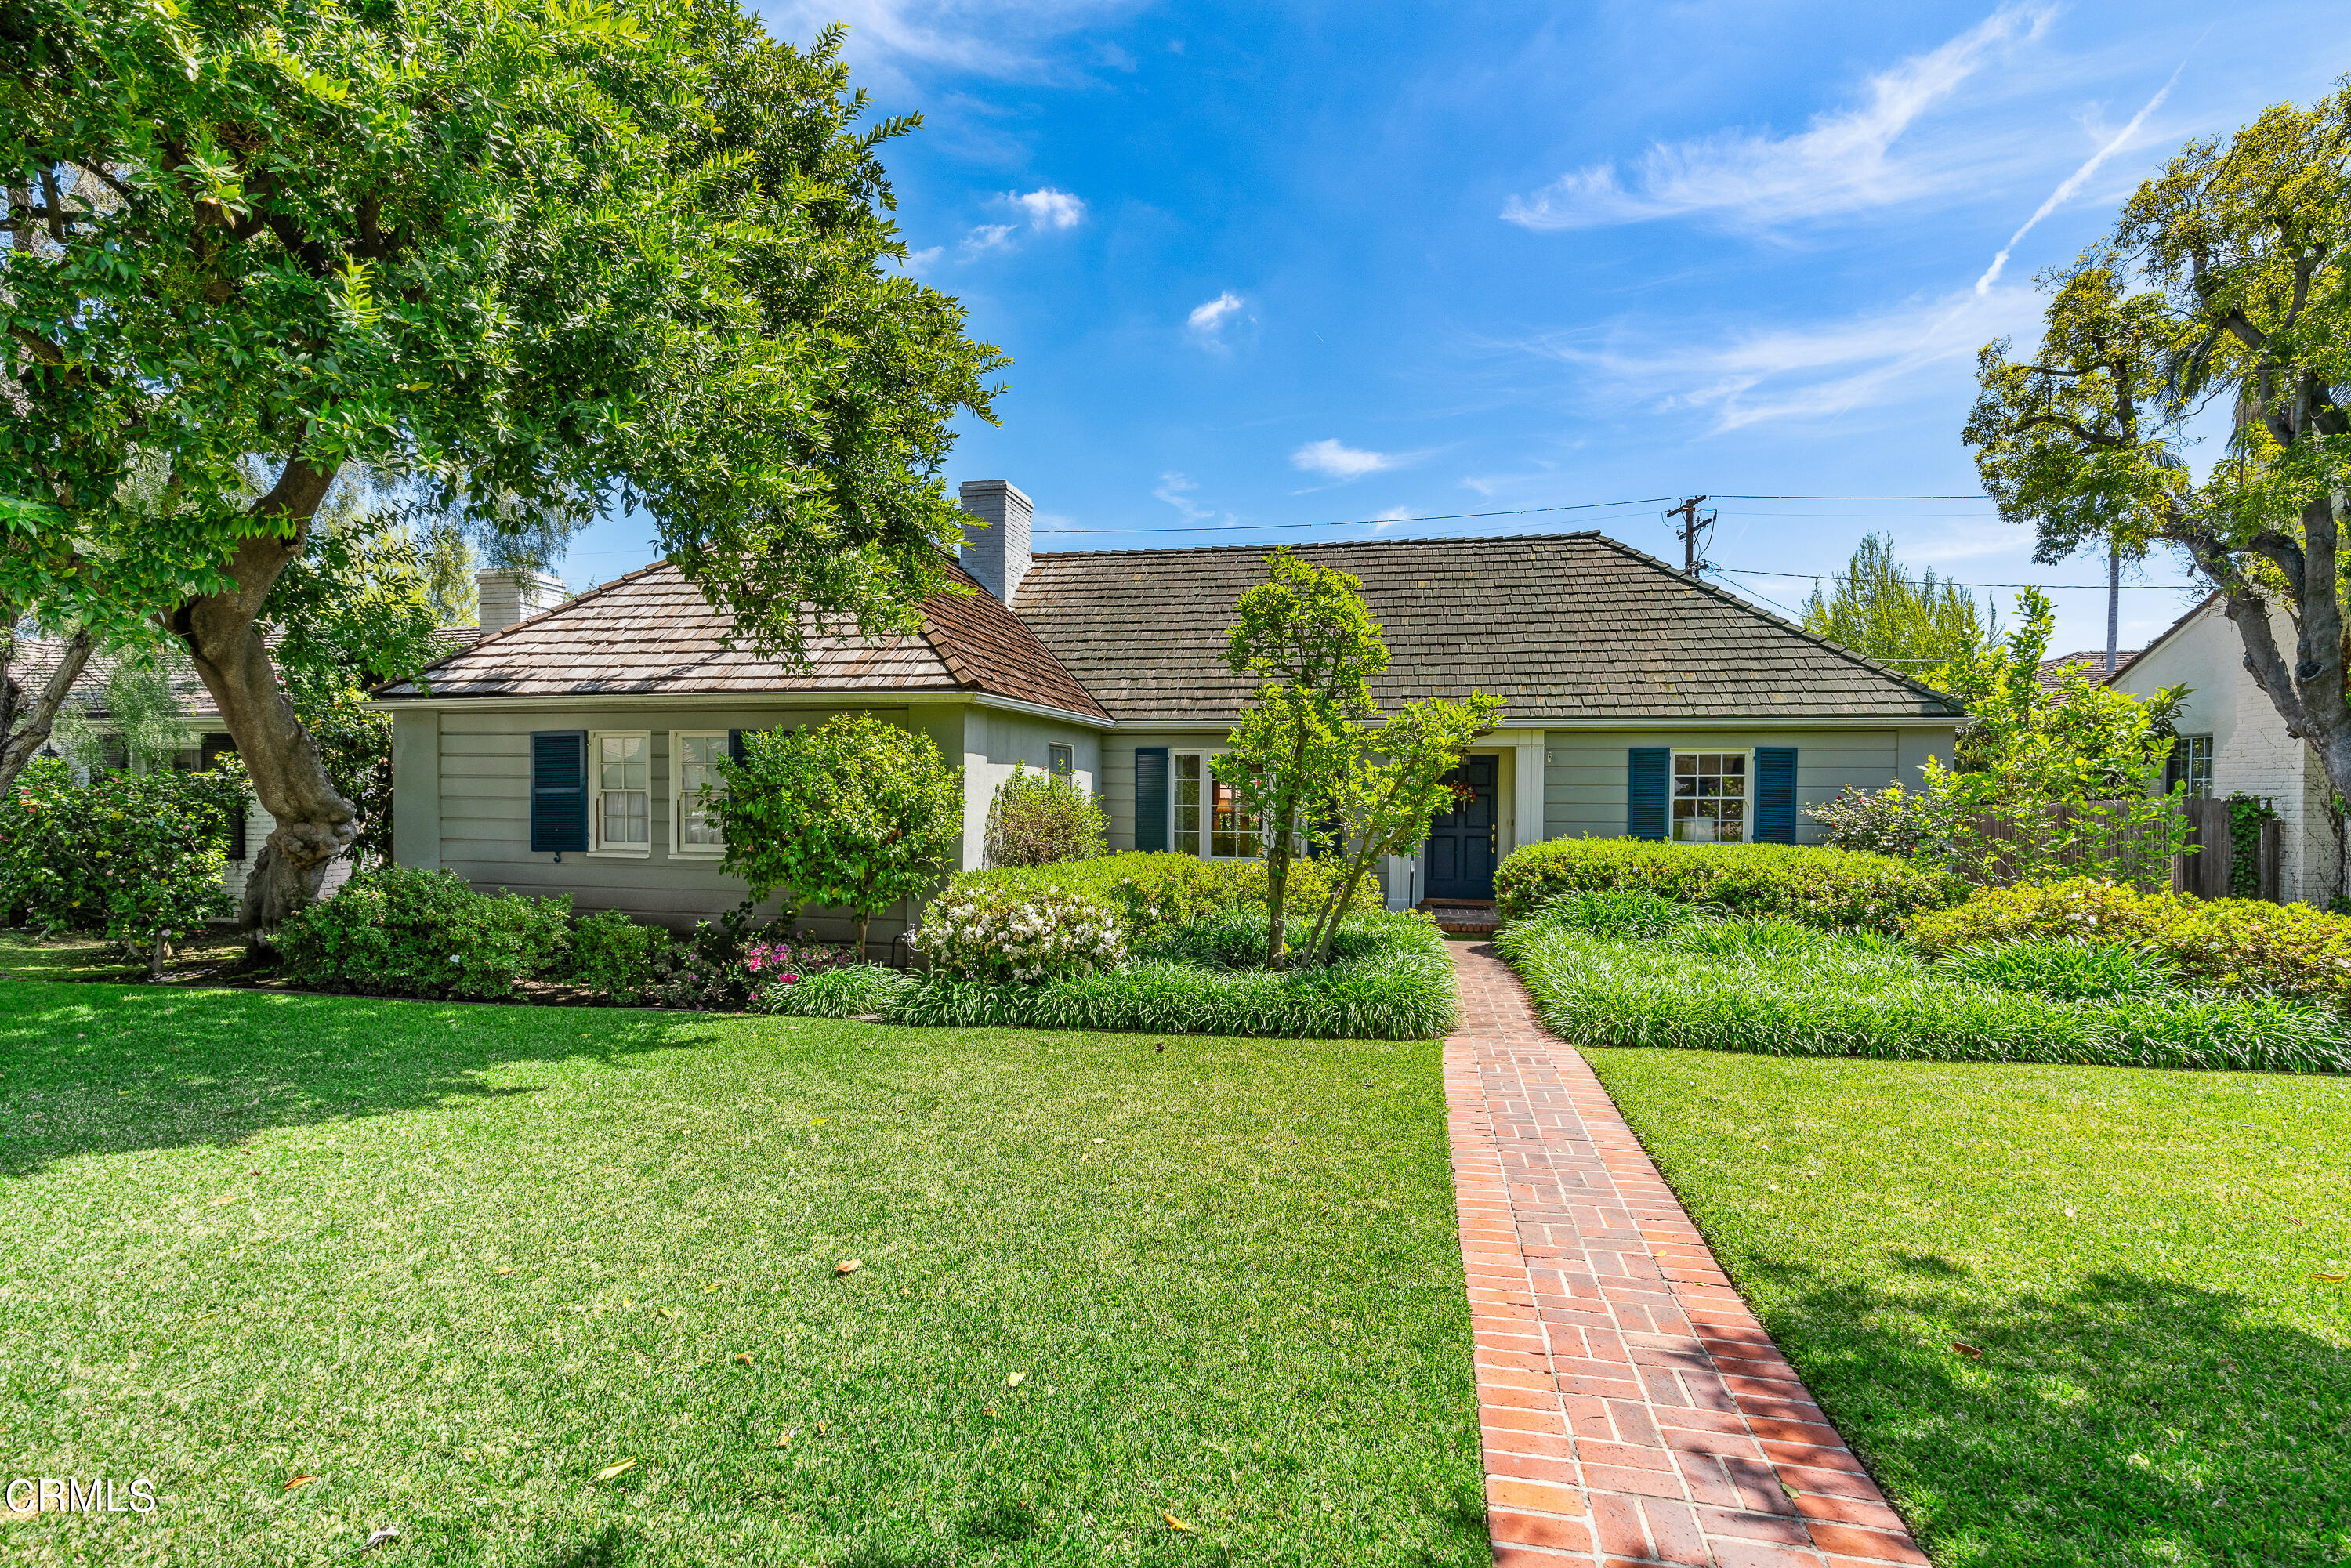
(1336, 460)
(915, 259)
(1050, 209)
(1796, 374)
(1384, 521)
(2078, 178)
(965, 37)
(987, 237)
(1206, 319)
(1175, 490)
(1844, 161)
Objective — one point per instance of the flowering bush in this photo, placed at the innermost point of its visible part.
(777, 964)
(1000, 933)
(2231, 944)
(1156, 893)
(1042, 818)
(135, 857)
(1889, 821)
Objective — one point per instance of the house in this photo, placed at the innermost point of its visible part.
(2091, 662)
(2231, 741)
(565, 753)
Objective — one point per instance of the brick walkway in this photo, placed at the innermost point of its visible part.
(1634, 1411)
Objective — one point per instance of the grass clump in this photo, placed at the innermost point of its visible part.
(1781, 987)
(2229, 944)
(1817, 886)
(1391, 978)
(2151, 1267)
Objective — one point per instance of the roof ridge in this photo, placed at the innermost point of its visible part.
(1320, 544)
(1729, 598)
(486, 637)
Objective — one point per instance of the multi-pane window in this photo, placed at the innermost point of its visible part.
(2190, 764)
(1064, 760)
(1710, 797)
(623, 780)
(1210, 819)
(693, 827)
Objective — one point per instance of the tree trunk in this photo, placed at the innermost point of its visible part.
(314, 823)
(1277, 857)
(155, 959)
(864, 919)
(41, 717)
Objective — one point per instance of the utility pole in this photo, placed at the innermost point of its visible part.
(2114, 602)
(1692, 533)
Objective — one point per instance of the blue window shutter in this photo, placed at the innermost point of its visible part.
(1775, 794)
(735, 745)
(558, 790)
(1650, 775)
(1151, 798)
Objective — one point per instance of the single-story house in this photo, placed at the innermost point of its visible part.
(2232, 741)
(564, 753)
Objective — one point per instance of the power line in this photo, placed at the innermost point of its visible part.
(1514, 512)
(1830, 576)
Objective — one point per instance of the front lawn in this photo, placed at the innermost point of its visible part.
(2152, 1267)
(1120, 1299)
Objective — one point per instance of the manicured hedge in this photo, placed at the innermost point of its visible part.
(1393, 980)
(2233, 944)
(402, 932)
(1157, 892)
(1817, 886)
(1773, 987)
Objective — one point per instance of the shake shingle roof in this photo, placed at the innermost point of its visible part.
(1561, 626)
(652, 633)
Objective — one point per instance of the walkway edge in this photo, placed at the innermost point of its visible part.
(1631, 1410)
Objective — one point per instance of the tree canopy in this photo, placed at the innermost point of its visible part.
(2223, 280)
(525, 262)
(1917, 625)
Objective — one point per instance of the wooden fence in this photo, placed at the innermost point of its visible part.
(2205, 870)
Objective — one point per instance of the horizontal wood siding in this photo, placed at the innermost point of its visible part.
(1118, 771)
(1585, 771)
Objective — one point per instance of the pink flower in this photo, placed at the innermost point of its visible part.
(791, 980)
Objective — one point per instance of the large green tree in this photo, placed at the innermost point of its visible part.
(2224, 280)
(1918, 625)
(529, 261)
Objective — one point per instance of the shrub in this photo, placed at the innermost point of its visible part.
(402, 932)
(137, 858)
(772, 964)
(2076, 971)
(1617, 912)
(1821, 887)
(1776, 987)
(2224, 943)
(1027, 934)
(1889, 821)
(614, 956)
(1156, 892)
(1397, 985)
(1043, 818)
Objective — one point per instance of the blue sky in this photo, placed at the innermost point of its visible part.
(1264, 267)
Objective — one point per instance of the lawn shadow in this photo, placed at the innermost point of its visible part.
(91, 1069)
(2100, 1425)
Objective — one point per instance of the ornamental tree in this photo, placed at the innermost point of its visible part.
(855, 813)
(2224, 280)
(1310, 639)
(1383, 805)
(526, 261)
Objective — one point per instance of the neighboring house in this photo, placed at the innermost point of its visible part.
(2231, 740)
(2092, 662)
(204, 737)
(564, 753)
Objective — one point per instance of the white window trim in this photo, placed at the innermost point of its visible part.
(1747, 815)
(678, 848)
(596, 797)
(1207, 766)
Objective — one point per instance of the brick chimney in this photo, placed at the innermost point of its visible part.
(509, 595)
(996, 543)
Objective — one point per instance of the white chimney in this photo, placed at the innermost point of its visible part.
(996, 546)
(509, 595)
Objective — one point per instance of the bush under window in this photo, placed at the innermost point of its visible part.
(1817, 886)
(1043, 818)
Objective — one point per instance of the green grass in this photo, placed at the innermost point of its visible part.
(2162, 1380)
(254, 1236)
(25, 956)
(1775, 986)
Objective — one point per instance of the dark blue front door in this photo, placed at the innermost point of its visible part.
(1460, 856)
